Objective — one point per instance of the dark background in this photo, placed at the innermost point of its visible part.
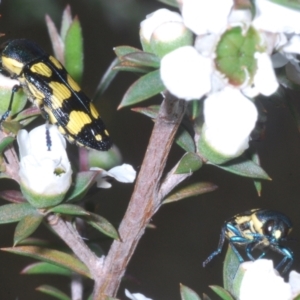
(186, 232)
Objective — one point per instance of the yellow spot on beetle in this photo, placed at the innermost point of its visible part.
(73, 84)
(41, 69)
(12, 65)
(77, 120)
(37, 94)
(98, 137)
(94, 111)
(106, 132)
(56, 63)
(60, 93)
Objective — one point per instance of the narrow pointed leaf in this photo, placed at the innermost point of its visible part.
(10, 213)
(295, 5)
(52, 291)
(221, 292)
(102, 225)
(28, 113)
(173, 3)
(124, 50)
(187, 293)
(83, 182)
(257, 183)
(245, 167)
(140, 58)
(26, 227)
(12, 196)
(69, 209)
(191, 190)
(11, 126)
(184, 140)
(145, 87)
(35, 242)
(205, 297)
(66, 22)
(5, 142)
(45, 268)
(56, 257)
(126, 66)
(150, 111)
(56, 41)
(189, 163)
(106, 79)
(74, 51)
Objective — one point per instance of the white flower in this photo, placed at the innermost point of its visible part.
(203, 16)
(43, 172)
(276, 18)
(186, 73)
(229, 119)
(136, 296)
(261, 282)
(124, 173)
(294, 281)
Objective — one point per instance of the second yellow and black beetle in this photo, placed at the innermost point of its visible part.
(257, 228)
(60, 99)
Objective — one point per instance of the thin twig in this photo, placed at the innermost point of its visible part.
(144, 201)
(66, 231)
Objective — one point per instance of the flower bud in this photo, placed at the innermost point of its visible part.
(45, 175)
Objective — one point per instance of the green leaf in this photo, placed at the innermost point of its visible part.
(230, 268)
(124, 50)
(12, 196)
(205, 297)
(27, 226)
(69, 209)
(56, 257)
(191, 190)
(257, 183)
(150, 111)
(145, 87)
(244, 167)
(297, 298)
(173, 3)
(28, 113)
(10, 213)
(143, 59)
(74, 51)
(11, 126)
(35, 242)
(106, 79)
(102, 225)
(52, 291)
(189, 163)
(82, 184)
(66, 22)
(187, 293)
(294, 4)
(184, 140)
(126, 66)
(45, 268)
(5, 142)
(221, 292)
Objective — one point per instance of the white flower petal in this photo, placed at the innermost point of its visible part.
(294, 281)
(185, 73)
(265, 81)
(135, 296)
(124, 173)
(293, 45)
(203, 16)
(261, 282)
(155, 19)
(276, 18)
(229, 119)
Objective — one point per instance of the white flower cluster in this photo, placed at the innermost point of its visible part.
(230, 61)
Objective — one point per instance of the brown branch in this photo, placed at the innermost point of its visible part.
(66, 231)
(11, 163)
(145, 200)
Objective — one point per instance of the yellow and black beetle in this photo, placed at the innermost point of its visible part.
(257, 228)
(61, 101)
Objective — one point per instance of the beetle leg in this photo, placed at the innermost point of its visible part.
(288, 258)
(7, 113)
(219, 249)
